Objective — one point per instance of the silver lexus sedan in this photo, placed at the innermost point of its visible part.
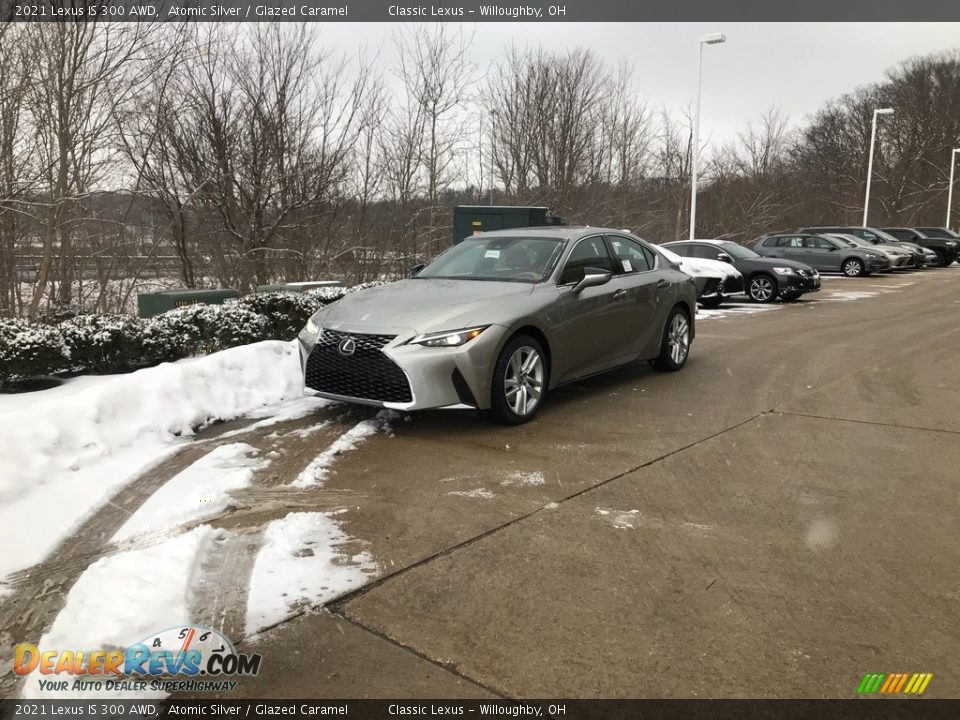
(499, 319)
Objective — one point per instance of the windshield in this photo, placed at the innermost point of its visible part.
(738, 251)
(507, 259)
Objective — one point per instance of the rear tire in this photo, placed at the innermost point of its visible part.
(519, 384)
(762, 288)
(675, 343)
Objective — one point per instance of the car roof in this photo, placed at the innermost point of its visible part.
(712, 241)
(559, 232)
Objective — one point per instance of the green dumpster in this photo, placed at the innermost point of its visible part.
(150, 304)
(299, 286)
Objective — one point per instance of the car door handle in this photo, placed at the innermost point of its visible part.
(662, 283)
(620, 294)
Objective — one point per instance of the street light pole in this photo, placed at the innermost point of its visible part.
(873, 140)
(709, 39)
(493, 148)
(953, 164)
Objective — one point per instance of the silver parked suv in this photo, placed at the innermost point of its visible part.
(824, 253)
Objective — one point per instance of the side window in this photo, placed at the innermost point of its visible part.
(817, 243)
(707, 252)
(791, 241)
(631, 255)
(589, 252)
(773, 241)
(681, 250)
(866, 235)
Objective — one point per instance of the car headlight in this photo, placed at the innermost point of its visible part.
(874, 256)
(951, 243)
(312, 328)
(449, 338)
(784, 271)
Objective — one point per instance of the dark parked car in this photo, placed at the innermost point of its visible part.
(936, 232)
(500, 319)
(766, 279)
(875, 237)
(823, 253)
(945, 248)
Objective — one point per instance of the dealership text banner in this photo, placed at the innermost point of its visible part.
(471, 12)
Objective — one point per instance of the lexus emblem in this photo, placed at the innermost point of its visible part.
(347, 346)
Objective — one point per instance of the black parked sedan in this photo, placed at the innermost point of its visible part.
(766, 279)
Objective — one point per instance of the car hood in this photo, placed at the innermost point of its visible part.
(761, 263)
(422, 305)
(711, 267)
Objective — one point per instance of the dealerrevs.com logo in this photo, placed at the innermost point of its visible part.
(183, 659)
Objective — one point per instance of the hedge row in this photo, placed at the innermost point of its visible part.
(99, 344)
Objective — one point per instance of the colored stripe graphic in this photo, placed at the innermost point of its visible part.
(894, 683)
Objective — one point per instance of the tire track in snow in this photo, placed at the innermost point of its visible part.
(39, 593)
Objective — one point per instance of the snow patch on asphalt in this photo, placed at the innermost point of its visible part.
(301, 565)
(321, 466)
(475, 493)
(524, 478)
(69, 450)
(620, 519)
(148, 591)
(822, 534)
(200, 491)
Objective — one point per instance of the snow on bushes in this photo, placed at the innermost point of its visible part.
(115, 343)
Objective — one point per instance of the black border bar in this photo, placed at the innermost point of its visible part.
(475, 11)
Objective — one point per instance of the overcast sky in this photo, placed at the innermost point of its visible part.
(797, 66)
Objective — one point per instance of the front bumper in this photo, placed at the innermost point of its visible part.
(802, 282)
(879, 264)
(386, 371)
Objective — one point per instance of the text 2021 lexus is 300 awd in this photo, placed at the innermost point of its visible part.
(499, 319)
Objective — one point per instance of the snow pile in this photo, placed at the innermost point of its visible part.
(148, 592)
(200, 491)
(161, 403)
(69, 452)
(300, 564)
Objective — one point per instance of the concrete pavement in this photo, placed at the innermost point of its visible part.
(776, 520)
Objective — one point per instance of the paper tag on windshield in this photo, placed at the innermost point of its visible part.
(494, 254)
(627, 267)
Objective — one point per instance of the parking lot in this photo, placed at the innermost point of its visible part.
(775, 520)
(771, 522)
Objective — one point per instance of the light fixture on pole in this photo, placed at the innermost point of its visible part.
(873, 140)
(953, 164)
(708, 39)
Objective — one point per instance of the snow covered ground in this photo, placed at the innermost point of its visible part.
(70, 451)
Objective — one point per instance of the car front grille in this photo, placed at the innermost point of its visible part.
(366, 374)
(712, 286)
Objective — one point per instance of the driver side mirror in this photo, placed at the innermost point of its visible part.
(723, 257)
(415, 270)
(592, 277)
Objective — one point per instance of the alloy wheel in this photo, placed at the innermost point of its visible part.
(678, 338)
(852, 268)
(523, 380)
(761, 289)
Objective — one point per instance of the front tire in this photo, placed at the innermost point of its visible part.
(519, 381)
(852, 267)
(675, 344)
(762, 288)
